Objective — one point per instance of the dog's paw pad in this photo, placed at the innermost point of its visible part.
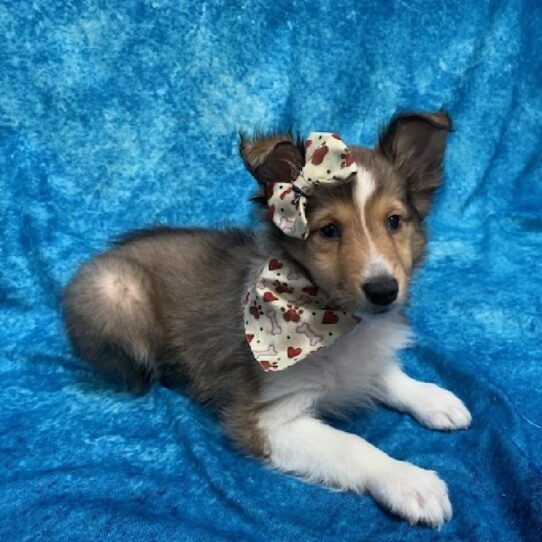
(440, 409)
(416, 494)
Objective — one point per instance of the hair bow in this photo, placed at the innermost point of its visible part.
(327, 160)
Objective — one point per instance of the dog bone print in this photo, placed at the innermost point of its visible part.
(275, 326)
(306, 330)
(271, 351)
(288, 315)
(293, 274)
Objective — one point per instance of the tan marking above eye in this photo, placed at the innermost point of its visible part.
(342, 214)
(381, 207)
(393, 207)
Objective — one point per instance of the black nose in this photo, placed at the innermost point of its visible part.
(381, 290)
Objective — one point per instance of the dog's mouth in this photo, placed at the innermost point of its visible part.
(368, 311)
(362, 307)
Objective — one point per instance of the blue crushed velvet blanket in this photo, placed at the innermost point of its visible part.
(120, 114)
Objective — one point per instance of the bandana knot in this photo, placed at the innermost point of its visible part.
(327, 160)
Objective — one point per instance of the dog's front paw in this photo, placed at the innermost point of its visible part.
(416, 494)
(438, 408)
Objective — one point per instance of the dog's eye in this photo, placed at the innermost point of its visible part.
(330, 231)
(393, 223)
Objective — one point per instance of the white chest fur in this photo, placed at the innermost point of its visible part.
(356, 369)
(343, 375)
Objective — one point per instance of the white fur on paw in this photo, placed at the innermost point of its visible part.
(416, 494)
(438, 408)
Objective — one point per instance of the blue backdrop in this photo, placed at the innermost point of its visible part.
(119, 114)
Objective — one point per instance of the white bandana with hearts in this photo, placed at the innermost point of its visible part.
(287, 318)
(327, 160)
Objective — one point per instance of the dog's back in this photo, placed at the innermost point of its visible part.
(156, 307)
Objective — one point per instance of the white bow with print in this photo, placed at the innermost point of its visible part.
(327, 160)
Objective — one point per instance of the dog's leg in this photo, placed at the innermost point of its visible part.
(432, 406)
(304, 445)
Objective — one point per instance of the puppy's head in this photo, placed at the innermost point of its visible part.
(366, 233)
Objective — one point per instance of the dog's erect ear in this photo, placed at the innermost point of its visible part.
(415, 143)
(272, 158)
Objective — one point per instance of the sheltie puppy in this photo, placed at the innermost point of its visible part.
(186, 307)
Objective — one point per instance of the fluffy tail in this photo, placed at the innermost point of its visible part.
(110, 319)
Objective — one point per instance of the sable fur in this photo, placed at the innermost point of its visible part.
(177, 314)
(165, 304)
(182, 325)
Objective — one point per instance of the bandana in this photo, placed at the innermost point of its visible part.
(287, 317)
(327, 160)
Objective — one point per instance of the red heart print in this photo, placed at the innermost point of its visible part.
(293, 352)
(319, 154)
(268, 296)
(349, 159)
(330, 318)
(310, 290)
(249, 336)
(274, 264)
(308, 143)
(286, 192)
(336, 136)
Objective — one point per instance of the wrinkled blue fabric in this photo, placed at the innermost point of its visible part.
(120, 114)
